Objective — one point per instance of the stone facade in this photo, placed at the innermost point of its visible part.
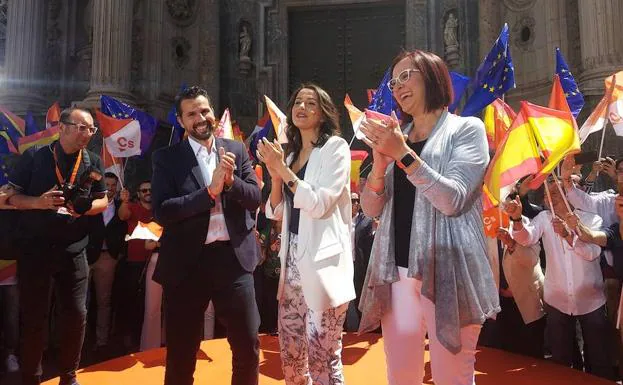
(142, 51)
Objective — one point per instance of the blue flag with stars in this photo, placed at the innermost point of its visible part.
(31, 124)
(494, 77)
(119, 110)
(383, 100)
(574, 97)
(459, 85)
(4, 151)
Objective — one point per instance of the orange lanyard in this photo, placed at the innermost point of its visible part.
(74, 172)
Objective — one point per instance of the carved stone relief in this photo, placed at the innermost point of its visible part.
(519, 5)
(523, 30)
(138, 48)
(180, 51)
(182, 12)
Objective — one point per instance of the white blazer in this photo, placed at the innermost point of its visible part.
(324, 245)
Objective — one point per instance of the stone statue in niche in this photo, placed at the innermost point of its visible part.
(245, 40)
(451, 41)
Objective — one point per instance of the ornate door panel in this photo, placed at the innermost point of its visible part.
(344, 49)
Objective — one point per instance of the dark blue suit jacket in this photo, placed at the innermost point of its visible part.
(181, 204)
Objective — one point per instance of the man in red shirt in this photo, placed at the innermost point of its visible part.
(131, 273)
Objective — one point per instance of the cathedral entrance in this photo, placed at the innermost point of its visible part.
(345, 49)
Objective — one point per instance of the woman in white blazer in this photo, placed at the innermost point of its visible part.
(311, 194)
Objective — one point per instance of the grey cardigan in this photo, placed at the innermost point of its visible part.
(447, 249)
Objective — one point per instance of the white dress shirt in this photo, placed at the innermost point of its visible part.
(573, 280)
(109, 212)
(601, 203)
(208, 160)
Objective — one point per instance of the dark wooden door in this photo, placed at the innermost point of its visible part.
(345, 49)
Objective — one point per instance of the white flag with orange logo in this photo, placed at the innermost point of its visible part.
(122, 136)
(610, 101)
(148, 231)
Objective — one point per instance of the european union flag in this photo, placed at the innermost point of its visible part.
(265, 132)
(494, 77)
(119, 110)
(574, 97)
(4, 151)
(459, 85)
(31, 124)
(383, 100)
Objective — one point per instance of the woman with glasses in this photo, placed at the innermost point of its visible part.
(428, 272)
(311, 194)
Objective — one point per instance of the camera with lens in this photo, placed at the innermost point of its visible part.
(79, 194)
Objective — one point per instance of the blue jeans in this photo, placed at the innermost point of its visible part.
(560, 331)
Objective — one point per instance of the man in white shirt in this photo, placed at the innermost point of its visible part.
(573, 287)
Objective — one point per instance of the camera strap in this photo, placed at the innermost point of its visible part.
(74, 172)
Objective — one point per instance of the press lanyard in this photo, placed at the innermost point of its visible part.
(59, 176)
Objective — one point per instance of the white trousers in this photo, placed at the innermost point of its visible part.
(151, 334)
(103, 275)
(404, 330)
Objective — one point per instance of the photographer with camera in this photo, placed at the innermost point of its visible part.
(57, 186)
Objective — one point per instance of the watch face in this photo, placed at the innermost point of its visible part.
(407, 160)
(290, 183)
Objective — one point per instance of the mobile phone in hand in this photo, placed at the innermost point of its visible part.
(377, 117)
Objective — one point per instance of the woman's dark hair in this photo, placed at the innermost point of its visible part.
(437, 82)
(329, 126)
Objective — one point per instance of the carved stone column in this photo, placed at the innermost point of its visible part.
(601, 45)
(25, 50)
(112, 50)
(489, 26)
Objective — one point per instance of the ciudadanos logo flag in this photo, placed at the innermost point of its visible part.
(122, 137)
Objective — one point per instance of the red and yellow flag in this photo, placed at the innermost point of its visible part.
(557, 99)
(516, 156)
(498, 117)
(556, 135)
(356, 158)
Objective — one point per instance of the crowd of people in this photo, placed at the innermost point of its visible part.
(299, 255)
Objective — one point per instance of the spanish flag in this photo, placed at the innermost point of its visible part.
(516, 156)
(356, 159)
(41, 138)
(356, 116)
(555, 133)
(498, 117)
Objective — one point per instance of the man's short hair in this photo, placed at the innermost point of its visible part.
(66, 113)
(189, 93)
(143, 182)
(111, 175)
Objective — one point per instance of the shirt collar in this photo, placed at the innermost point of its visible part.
(196, 146)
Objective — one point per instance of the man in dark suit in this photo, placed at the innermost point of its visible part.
(204, 193)
(362, 243)
(106, 245)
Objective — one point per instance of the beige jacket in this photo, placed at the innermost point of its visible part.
(525, 279)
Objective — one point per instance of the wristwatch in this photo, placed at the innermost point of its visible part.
(406, 160)
(292, 182)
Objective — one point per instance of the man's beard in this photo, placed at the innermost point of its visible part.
(202, 136)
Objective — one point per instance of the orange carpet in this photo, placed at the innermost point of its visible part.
(363, 357)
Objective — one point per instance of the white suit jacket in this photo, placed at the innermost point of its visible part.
(324, 245)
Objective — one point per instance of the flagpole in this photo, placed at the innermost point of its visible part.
(113, 161)
(352, 140)
(551, 207)
(171, 135)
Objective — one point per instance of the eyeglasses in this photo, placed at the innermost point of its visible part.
(145, 190)
(82, 127)
(402, 78)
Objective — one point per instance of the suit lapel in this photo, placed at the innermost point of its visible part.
(190, 160)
